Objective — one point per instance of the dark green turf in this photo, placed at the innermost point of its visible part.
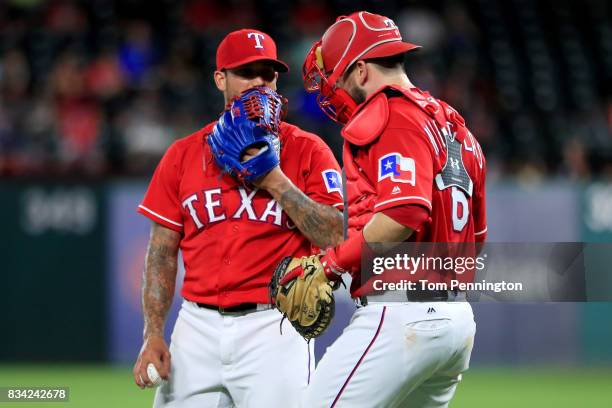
(109, 387)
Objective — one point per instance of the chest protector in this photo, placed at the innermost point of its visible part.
(372, 117)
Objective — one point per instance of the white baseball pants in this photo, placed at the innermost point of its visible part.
(396, 355)
(235, 361)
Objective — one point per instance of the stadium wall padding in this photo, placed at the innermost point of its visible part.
(52, 296)
(73, 257)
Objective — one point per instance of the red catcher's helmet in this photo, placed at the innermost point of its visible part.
(360, 36)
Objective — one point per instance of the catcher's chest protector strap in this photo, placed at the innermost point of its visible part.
(372, 116)
(452, 127)
(454, 173)
(439, 111)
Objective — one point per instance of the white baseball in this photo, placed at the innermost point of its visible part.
(153, 375)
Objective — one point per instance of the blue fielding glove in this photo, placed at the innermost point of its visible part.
(250, 120)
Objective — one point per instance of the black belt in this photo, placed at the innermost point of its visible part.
(418, 296)
(428, 295)
(241, 308)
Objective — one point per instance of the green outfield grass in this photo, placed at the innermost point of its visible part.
(537, 388)
(109, 387)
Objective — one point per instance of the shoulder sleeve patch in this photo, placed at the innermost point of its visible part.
(333, 180)
(368, 123)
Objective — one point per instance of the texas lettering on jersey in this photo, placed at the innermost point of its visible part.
(233, 236)
(209, 207)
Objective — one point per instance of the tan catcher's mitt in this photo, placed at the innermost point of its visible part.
(303, 294)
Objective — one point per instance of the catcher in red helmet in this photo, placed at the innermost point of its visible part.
(415, 174)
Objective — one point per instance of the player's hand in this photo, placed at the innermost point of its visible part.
(250, 153)
(154, 350)
(268, 181)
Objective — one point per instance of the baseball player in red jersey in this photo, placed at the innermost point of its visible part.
(414, 173)
(226, 347)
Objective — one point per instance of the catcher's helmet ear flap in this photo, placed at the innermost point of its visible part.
(359, 36)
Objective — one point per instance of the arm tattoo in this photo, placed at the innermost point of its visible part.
(321, 224)
(159, 278)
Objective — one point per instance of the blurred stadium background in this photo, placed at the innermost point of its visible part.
(93, 92)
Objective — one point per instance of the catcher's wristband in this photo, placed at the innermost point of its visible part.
(345, 258)
(330, 266)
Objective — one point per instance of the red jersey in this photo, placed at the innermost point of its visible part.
(420, 154)
(233, 237)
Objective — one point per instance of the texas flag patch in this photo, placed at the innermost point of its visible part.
(398, 168)
(333, 181)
